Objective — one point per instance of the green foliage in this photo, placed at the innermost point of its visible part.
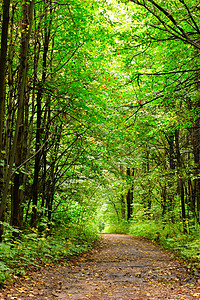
(5, 272)
(37, 248)
(118, 227)
(170, 236)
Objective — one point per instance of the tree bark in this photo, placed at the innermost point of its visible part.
(129, 196)
(180, 179)
(172, 165)
(35, 187)
(196, 153)
(17, 196)
(28, 11)
(3, 56)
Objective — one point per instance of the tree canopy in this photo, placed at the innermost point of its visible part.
(99, 115)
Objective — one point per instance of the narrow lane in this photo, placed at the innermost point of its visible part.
(123, 267)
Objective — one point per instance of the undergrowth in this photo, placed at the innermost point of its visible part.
(171, 236)
(35, 248)
(182, 239)
(118, 227)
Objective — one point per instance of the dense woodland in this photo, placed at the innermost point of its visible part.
(99, 124)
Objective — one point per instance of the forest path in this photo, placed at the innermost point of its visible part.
(123, 267)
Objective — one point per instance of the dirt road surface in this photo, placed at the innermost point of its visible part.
(123, 267)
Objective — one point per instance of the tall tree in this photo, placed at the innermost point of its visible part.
(3, 59)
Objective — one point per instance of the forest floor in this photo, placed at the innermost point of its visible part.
(122, 267)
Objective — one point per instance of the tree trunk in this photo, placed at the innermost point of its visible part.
(196, 153)
(3, 56)
(148, 170)
(35, 187)
(17, 196)
(180, 179)
(163, 199)
(129, 196)
(172, 165)
(37, 159)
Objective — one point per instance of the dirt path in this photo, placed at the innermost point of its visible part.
(123, 267)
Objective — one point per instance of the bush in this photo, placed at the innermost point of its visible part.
(171, 237)
(36, 248)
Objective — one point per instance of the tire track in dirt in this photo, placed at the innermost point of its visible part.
(123, 267)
